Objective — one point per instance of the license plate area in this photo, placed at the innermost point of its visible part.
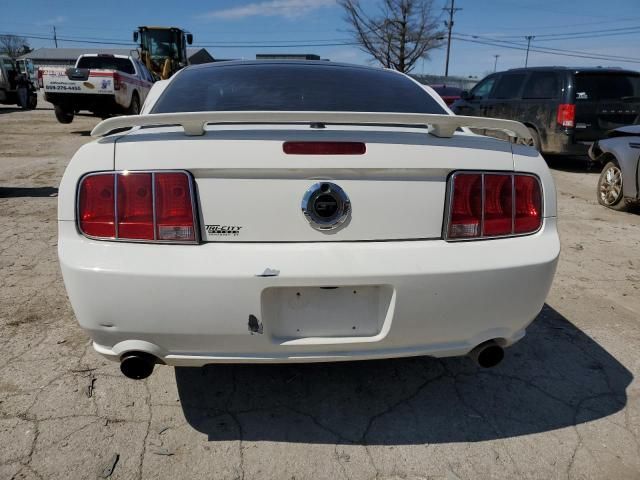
(325, 312)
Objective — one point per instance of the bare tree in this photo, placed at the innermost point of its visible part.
(401, 34)
(14, 45)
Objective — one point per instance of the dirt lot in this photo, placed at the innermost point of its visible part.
(564, 404)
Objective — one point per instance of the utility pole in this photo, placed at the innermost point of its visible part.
(495, 64)
(449, 24)
(529, 38)
(55, 37)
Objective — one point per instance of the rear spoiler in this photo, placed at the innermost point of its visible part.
(194, 123)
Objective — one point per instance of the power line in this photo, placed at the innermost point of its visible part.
(524, 48)
(551, 27)
(478, 39)
(568, 34)
(572, 35)
(550, 49)
(220, 44)
(71, 40)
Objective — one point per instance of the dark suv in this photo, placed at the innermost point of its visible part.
(565, 108)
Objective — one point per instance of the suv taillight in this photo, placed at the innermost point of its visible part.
(490, 205)
(117, 81)
(40, 79)
(566, 116)
(138, 206)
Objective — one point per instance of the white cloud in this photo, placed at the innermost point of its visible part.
(271, 8)
(345, 55)
(57, 20)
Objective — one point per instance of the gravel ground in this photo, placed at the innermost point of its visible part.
(564, 404)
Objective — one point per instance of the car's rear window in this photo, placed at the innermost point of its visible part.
(607, 86)
(107, 63)
(289, 87)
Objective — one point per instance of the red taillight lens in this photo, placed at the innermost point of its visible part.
(324, 148)
(528, 204)
(96, 206)
(174, 211)
(466, 206)
(498, 205)
(40, 80)
(116, 81)
(126, 206)
(135, 206)
(487, 205)
(566, 115)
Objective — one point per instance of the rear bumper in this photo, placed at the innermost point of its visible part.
(561, 143)
(193, 305)
(85, 101)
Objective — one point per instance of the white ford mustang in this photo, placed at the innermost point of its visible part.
(302, 212)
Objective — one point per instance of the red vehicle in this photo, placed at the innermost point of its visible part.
(448, 94)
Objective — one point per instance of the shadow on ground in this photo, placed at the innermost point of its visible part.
(14, 192)
(82, 133)
(573, 164)
(10, 110)
(555, 377)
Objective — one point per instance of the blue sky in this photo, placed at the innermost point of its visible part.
(226, 22)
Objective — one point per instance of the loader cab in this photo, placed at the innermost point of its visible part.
(163, 49)
(8, 74)
(25, 67)
(10, 70)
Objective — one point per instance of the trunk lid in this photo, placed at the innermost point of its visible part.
(249, 190)
(605, 101)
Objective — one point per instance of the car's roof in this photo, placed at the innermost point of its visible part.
(574, 69)
(308, 63)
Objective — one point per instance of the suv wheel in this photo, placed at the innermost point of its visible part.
(63, 115)
(134, 108)
(610, 192)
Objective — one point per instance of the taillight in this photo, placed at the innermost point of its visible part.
(40, 80)
(174, 210)
(566, 115)
(96, 206)
(527, 216)
(489, 205)
(135, 206)
(143, 206)
(117, 81)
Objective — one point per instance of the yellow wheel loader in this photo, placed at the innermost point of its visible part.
(163, 49)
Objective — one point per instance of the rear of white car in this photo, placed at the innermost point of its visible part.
(316, 236)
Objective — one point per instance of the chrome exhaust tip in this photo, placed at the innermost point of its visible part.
(137, 365)
(487, 354)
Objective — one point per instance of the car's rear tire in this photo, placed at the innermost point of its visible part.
(610, 189)
(134, 108)
(33, 101)
(63, 115)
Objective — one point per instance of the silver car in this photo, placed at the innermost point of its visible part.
(620, 155)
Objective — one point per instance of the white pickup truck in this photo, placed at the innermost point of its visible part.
(101, 83)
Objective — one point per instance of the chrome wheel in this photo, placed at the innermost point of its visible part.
(610, 190)
(611, 186)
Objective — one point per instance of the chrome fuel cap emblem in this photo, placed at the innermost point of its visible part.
(326, 206)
